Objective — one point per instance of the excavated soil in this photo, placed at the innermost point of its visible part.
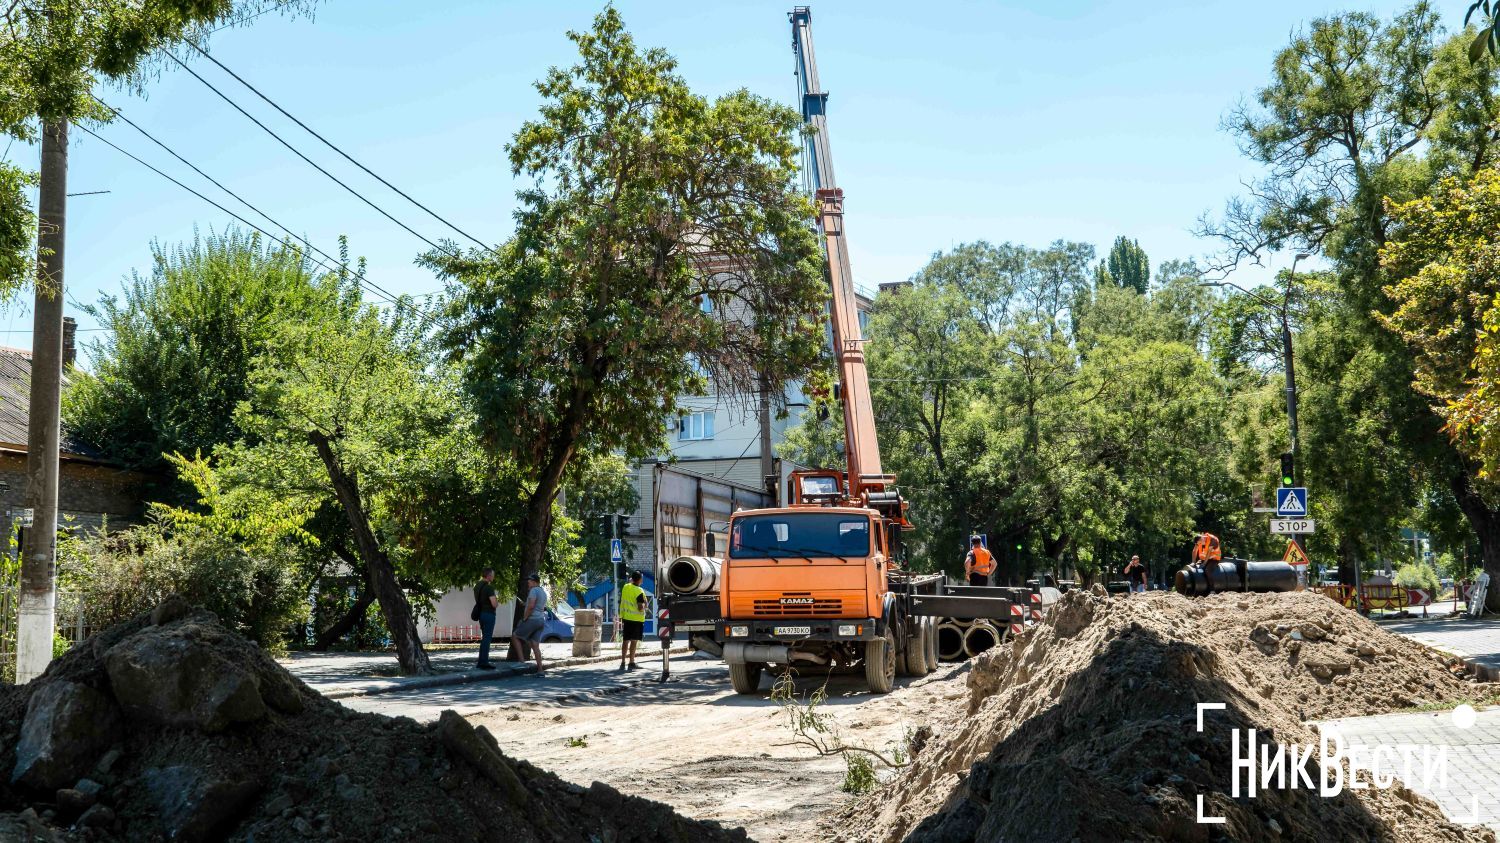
(1084, 727)
(207, 738)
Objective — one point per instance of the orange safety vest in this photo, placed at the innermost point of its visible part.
(984, 561)
(1207, 549)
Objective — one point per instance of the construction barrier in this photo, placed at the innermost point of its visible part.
(1378, 597)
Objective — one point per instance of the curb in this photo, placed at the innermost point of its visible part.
(1483, 672)
(506, 670)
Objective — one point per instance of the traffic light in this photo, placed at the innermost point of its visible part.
(1287, 476)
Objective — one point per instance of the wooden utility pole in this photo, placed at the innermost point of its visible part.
(44, 436)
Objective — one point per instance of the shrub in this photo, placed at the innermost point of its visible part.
(1418, 575)
(122, 574)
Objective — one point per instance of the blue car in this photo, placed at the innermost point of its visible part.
(559, 624)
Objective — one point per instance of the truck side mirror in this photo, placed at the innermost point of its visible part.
(709, 540)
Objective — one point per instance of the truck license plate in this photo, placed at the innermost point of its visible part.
(794, 630)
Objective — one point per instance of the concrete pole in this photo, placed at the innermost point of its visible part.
(768, 476)
(35, 625)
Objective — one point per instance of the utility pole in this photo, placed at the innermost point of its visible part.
(35, 625)
(768, 476)
(1290, 366)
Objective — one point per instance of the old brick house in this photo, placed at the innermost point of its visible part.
(91, 491)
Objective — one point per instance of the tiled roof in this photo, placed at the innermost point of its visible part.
(15, 404)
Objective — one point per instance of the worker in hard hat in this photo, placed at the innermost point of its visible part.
(979, 564)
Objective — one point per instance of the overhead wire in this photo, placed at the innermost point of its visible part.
(315, 165)
(215, 182)
(331, 145)
(359, 277)
(246, 19)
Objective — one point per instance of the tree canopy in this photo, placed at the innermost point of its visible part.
(174, 364)
(661, 229)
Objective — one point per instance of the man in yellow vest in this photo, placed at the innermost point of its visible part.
(632, 620)
(979, 564)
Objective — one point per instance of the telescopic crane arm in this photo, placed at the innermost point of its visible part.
(861, 447)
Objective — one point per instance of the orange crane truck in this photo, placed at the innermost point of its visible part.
(819, 580)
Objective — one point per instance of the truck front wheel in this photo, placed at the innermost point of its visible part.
(745, 677)
(880, 664)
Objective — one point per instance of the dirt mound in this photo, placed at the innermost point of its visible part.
(169, 727)
(1084, 728)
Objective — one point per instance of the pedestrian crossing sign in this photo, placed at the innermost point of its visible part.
(1291, 502)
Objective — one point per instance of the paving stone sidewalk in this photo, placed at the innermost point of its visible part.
(1476, 641)
(1471, 793)
(345, 675)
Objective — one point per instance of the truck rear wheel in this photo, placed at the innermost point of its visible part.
(916, 649)
(932, 650)
(745, 676)
(880, 664)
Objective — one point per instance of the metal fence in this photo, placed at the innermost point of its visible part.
(71, 623)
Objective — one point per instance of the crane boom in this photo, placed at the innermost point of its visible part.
(861, 447)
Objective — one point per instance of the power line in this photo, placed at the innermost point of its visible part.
(215, 182)
(326, 142)
(244, 20)
(335, 179)
(107, 142)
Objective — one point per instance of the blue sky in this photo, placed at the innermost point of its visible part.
(1024, 121)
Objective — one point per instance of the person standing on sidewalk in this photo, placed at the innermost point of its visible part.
(632, 620)
(485, 603)
(529, 631)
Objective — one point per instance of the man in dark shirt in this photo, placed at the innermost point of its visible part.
(486, 602)
(1135, 573)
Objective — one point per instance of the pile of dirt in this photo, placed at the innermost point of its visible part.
(1085, 727)
(170, 727)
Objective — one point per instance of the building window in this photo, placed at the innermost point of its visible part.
(706, 304)
(695, 426)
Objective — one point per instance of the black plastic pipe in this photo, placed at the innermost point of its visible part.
(1225, 576)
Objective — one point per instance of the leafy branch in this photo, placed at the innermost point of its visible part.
(1488, 39)
(816, 729)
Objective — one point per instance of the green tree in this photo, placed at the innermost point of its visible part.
(657, 221)
(1015, 398)
(1443, 259)
(1359, 112)
(340, 408)
(1126, 266)
(175, 361)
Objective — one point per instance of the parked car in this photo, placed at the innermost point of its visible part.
(559, 624)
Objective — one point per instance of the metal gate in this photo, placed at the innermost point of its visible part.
(71, 621)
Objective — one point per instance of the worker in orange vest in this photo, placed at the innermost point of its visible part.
(1207, 550)
(979, 564)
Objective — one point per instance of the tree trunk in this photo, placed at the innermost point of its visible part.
(1348, 559)
(1486, 524)
(330, 636)
(536, 525)
(379, 571)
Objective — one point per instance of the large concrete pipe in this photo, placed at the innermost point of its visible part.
(1259, 576)
(979, 637)
(950, 641)
(693, 575)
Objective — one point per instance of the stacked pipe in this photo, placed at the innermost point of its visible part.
(693, 575)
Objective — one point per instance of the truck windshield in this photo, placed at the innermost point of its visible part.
(799, 534)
